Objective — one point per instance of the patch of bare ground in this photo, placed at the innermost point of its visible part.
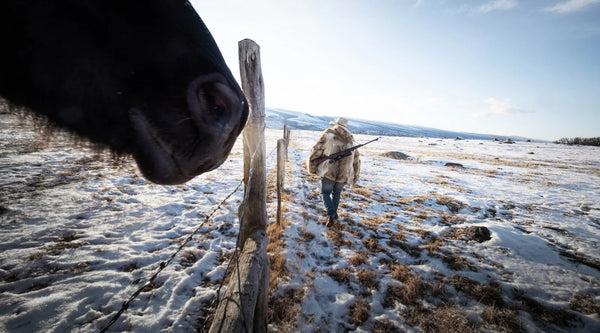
(442, 319)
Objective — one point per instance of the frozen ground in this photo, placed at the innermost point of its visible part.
(79, 234)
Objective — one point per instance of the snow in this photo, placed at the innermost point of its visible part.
(79, 233)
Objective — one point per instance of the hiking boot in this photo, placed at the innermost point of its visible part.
(330, 222)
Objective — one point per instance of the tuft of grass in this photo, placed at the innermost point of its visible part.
(358, 259)
(503, 320)
(306, 236)
(360, 311)
(584, 304)
(284, 309)
(372, 244)
(401, 272)
(385, 326)
(188, 259)
(367, 278)
(453, 205)
(408, 293)
(433, 244)
(443, 319)
(337, 237)
(340, 275)
(486, 294)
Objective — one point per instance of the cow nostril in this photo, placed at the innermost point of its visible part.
(215, 103)
(212, 101)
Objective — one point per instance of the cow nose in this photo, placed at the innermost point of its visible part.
(214, 104)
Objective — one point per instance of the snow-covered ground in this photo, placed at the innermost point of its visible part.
(80, 234)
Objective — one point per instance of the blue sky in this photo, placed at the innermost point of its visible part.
(505, 67)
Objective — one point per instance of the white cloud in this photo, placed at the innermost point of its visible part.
(497, 5)
(499, 107)
(571, 6)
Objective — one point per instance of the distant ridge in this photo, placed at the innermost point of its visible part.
(275, 118)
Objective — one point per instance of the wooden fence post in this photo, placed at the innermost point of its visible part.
(255, 213)
(244, 307)
(286, 136)
(281, 157)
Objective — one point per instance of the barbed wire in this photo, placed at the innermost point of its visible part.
(235, 256)
(165, 263)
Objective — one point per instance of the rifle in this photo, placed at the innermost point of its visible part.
(339, 155)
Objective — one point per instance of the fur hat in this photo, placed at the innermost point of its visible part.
(340, 121)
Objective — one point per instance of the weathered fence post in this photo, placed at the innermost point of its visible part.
(255, 214)
(244, 307)
(281, 157)
(286, 136)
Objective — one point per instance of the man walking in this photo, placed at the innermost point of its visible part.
(334, 175)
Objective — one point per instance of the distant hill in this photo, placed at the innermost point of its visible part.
(275, 118)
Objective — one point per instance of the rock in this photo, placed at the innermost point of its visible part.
(453, 165)
(395, 155)
(509, 141)
(477, 233)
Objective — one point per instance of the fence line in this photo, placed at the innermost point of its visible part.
(165, 263)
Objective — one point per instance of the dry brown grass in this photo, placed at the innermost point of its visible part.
(385, 326)
(358, 259)
(367, 278)
(450, 219)
(487, 294)
(284, 310)
(337, 236)
(443, 319)
(418, 199)
(502, 320)
(453, 205)
(401, 272)
(421, 232)
(340, 275)
(584, 304)
(188, 259)
(275, 248)
(372, 244)
(360, 311)
(433, 244)
(408, 293)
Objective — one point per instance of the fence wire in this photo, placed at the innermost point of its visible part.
(235, 256)
(165, 263)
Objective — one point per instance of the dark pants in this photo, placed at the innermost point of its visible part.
(331, 191)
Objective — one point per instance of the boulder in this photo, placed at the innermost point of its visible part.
(453, 165)
(395, 155)
(477, 233)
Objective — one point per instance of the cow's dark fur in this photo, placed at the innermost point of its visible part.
(142, 77)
